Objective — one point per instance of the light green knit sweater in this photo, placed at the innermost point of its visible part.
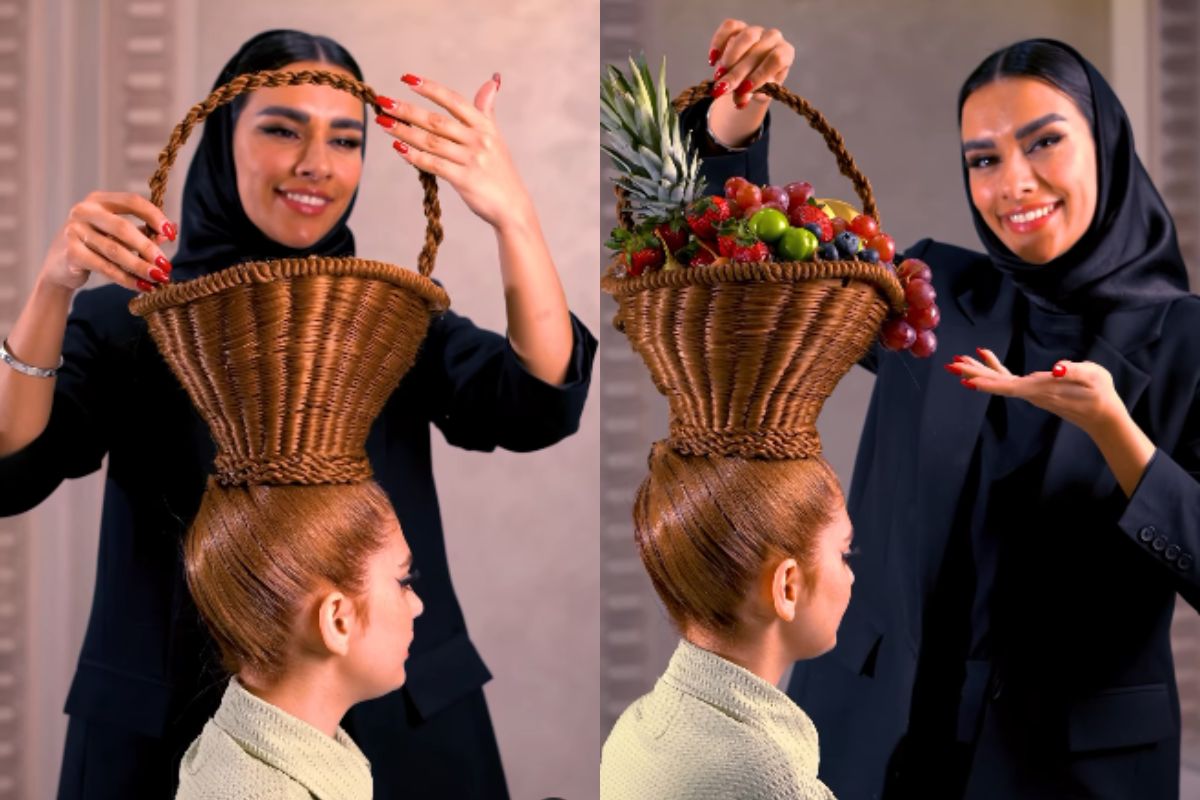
(711, 729)
(252, 750)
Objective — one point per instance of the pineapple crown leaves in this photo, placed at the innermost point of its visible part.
(658, 167)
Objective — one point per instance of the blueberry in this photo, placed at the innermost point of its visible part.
(869, 254)
(847, 244)
(828, 252)
(813, 228)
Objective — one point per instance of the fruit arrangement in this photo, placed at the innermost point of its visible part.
(674, 226)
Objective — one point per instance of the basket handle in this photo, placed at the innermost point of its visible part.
(833, 140)
(257, 80)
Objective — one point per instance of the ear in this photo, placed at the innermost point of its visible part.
(336, 621)
(787, 589)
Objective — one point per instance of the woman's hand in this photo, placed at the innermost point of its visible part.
(1083, 394)
(100, 237)
(745, 57)
(463, 147)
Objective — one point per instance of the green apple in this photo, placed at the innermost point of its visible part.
(797, 244)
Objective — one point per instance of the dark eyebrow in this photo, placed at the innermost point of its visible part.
(302, 118)
(1022, 132)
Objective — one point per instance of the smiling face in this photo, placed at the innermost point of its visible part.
(1031, 166)
(375, 660)
(298, 155)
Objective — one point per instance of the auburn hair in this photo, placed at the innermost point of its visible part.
(255, 554)
(706, 526)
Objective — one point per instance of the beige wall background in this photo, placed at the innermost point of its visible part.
(887, 75)
(106, 81)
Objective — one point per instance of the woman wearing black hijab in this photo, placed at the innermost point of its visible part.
(147, 678)
(1022, 545)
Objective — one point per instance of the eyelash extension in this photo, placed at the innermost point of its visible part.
(1045, 141)
(854, 552)
(288, 133)
(407, 581)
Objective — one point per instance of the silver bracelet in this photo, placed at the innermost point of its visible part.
(727, 148)
(26, 369)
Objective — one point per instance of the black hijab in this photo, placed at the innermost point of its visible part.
(214, 231)
(1129, 256)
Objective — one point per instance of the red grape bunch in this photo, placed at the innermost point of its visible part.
(914, 330)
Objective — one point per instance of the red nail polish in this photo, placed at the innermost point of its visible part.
(721, 88)
(385, 120)
(169, 231)
(740, 104)
(145, 286)
(744, 87)
(411, 80)
(157, 274)
(980, 351)
(400, 146)
(713, 55)
(161, 262)
(953, 369)
(496, 78)
(385, 102)
(960, 359)
(720, 73)
(1059, 370)
(967, 383)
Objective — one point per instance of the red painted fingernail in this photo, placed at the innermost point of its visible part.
(721, 88)
(1059, 370)
(953, 369)
(721, 70)
(385, 102)
(967, 383)
(162, 263)
(960, 359)
(400, 147)
(385, 120)
(713, 55)
(145, 286)
(169, 231)
(740, 104)
(981, 352)
(157, 274)
(496, 78)
(744, 87)
(411, 80)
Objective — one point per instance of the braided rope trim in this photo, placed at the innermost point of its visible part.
(299, 468)
(765, 443)
(262, 272)
(783, 272)
(270, 79)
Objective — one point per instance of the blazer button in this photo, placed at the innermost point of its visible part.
(1184, 562)
(1146, 534)
(1159, 544)
(1172, 552)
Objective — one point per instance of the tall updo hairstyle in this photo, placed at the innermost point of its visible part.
(706, 527)
(256, 555)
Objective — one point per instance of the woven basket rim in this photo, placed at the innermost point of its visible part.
(262, 272)
(879, 275)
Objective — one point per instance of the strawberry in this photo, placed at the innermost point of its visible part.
(805, 213)
(704, 215)
(673, 234)
(702, 257)
(755, 252)
(640, 250)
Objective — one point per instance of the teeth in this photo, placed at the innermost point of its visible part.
(1030, 216)
(306, 199)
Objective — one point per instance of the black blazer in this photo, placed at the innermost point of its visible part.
(147, 663)
(1079, 698)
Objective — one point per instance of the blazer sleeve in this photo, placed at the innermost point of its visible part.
(718, 165)
(482, 397)
(74, 442)
(1163, 515)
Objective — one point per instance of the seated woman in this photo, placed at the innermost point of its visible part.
(750, 559)
(307, 591)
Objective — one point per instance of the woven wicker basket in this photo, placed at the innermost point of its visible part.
(290, 361)
(747, 353)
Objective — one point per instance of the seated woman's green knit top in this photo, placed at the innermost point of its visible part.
(711, 729)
